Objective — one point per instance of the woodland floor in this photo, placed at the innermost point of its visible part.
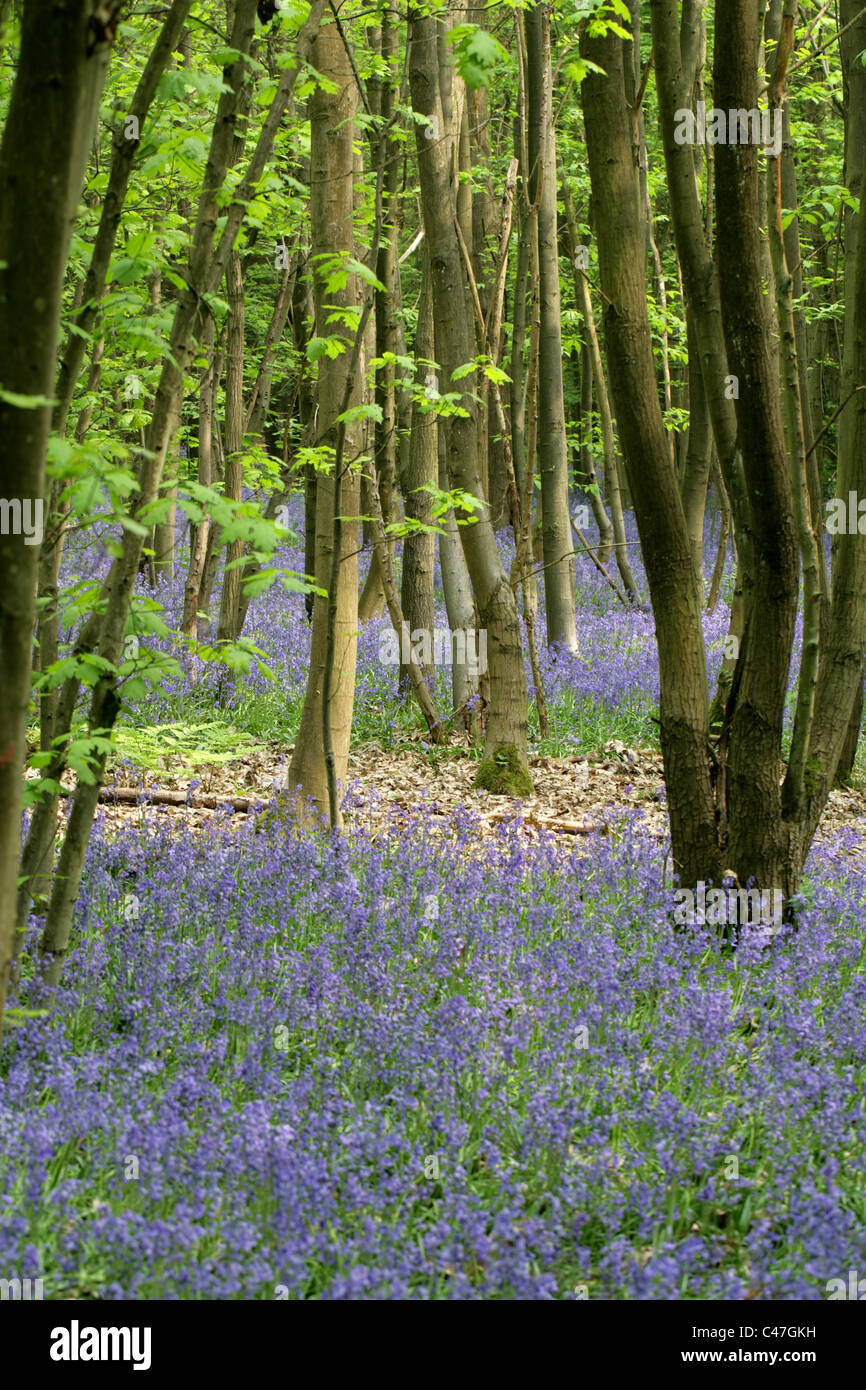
(574, 795)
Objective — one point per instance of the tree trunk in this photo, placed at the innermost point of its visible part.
(696, 474)
(43, 155)
(234, 397)
(504, 765)
(552, 446)
(200, 531)
(758, 845)
(332, 117)
(422, 471)
(592, 367)
(660, 516)
(205, 269)
(676, 59)
(852, 44)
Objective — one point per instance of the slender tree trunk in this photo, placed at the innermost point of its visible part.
(385, 330)
(234, 398)
(518, 340)
(722, 548)
(590, 354)
(201, 530)
(696, 474)
(676, 52)
(217, 473)
(260, 399)
(422, 472)
(506, 732)
(553, 449)
(611, 466)
(205, 269)
(43, 155)
(660, 516)
(332, 115)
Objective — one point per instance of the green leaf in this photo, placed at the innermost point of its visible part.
(322, 347)
(477, 54)
(365, 273)
(580, 68)
(362, 412)
(25, 402)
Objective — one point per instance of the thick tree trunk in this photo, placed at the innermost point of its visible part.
(204, 269)
(841, 671)
(852, 43)
(678, 48)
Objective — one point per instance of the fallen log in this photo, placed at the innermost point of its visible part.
(565, 827)
(134, 796)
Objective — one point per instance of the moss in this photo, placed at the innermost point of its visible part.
(503, 773)
(813, 775)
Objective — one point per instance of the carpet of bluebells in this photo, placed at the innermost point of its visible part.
(608, 689)
(430, 1065)
(434, 1067)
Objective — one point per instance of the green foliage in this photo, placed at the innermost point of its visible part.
(152, 745)
(477, 54)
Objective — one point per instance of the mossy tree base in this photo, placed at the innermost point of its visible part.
(503, 773)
